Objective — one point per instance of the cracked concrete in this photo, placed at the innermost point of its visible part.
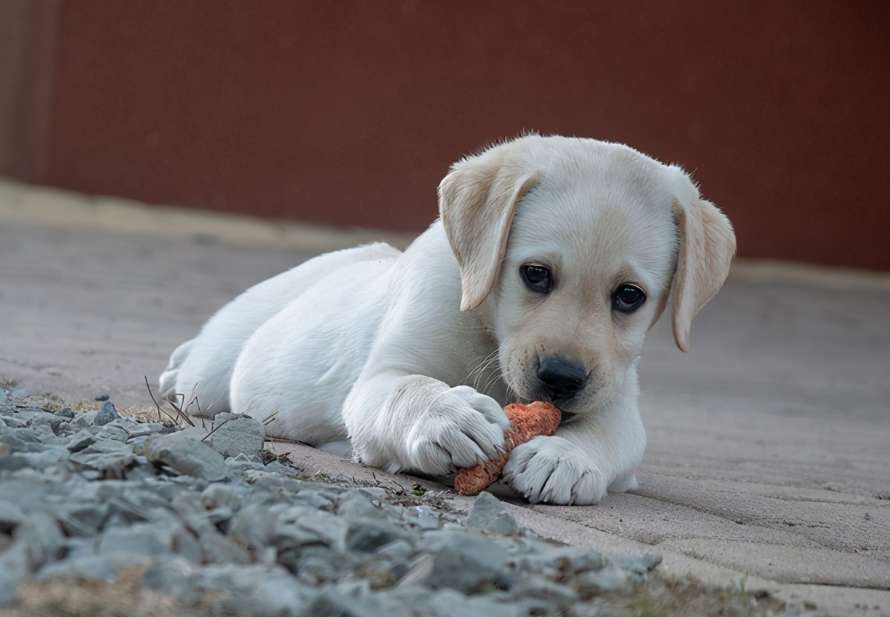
(768, 460)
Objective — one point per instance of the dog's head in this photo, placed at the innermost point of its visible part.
(571, 248)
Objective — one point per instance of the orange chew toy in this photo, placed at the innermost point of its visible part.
(526, 423)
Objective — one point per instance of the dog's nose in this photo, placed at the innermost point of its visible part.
(561, 378)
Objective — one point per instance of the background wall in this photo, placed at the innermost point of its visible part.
(349, 112)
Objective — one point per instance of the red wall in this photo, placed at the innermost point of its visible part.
(349, 112)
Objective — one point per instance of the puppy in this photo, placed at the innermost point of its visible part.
(551, 260)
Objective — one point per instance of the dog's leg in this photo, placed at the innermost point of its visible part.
(413, 422)
(580, 462)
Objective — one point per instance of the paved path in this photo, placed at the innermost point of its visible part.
(769, 456)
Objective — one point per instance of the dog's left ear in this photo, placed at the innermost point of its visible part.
(707, 245)
(477, 201)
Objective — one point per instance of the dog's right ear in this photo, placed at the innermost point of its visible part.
(477, 201)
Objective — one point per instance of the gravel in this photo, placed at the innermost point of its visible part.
(201, 518)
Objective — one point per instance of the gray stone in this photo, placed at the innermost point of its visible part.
(20, 393)
(234, 434)
(11, 515)
(254, 526)
(639, 567)
(41, 534)
(187, 456)
(84, 419)
(357, 504)
(400, 550)
(448, 603)
(425, 517)
(116, 430)
(81, 519)
(173, 576)
(66, 413)
(13, 569)
(88, 567)
(106, 456)
(258, 590)
(356, 600)
(221, 495)
(466, 562)
(298, 526)
(149, 540)
(368, 535)
(313, 499)
(21, 440)
(540, 588)
(107, 414)
(82, 439)
(217, 548)
(145, 429)
(609, 578)
(488, 514)
(316, 565)
(563, 560)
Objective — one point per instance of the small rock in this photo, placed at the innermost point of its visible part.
(41, 534)
(298, 526)
(20, 393)
(466, 562)
(216, 548)
(234, 434)
(187, 456)
(13, 569)
(11, 516)
(106, 456)
(220, 495)
(141, 539)
(81, 519)
(563, 560)
(356, 504)
(173, 576)
(425, 518)
(610, 578)
(369, 534)
(488, 514)
(400, 550)
(65, 413)
(88, 567)
(84, 420)
(259, 590)
(82, 439)
(107, 414)
(541, 588)
(102, 398)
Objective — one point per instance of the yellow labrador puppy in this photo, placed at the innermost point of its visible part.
(551, 259)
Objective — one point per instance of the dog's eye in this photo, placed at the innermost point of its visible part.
(628, 298)
(537, 278)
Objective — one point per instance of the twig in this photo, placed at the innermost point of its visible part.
(216, 428)
(153, 399)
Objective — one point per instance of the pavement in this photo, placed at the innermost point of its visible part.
(769, 443)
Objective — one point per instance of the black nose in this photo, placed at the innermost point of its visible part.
(561, 379)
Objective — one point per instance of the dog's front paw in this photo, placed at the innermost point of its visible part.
(461, 428)
(554, 470)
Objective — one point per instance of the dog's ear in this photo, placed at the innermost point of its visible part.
(477, 200)
(707, 245)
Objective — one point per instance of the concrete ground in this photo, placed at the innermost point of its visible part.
(769, 456)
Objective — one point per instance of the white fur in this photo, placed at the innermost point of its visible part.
(371, 345)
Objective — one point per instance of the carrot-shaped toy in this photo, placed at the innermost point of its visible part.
(526, 423)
